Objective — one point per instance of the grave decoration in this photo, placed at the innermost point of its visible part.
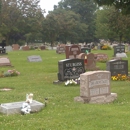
(95, 88)
(89, 61)
(34, 58)
(117, 67)
(26, 108)
(119, 49)
(70, 69)
(72, 51)
(23, 107)
(9, 73)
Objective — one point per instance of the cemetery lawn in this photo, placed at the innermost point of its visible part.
(61, 112)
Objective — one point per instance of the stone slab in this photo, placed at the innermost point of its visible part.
(15, 107)
(34, 58)
(4, 61)
(97, 100)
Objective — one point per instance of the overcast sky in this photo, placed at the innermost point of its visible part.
(48, 4)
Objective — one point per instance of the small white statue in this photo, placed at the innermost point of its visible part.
(26, 108)
(29, 98)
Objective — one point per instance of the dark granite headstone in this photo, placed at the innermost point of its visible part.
(117, 67)
(70, 69)
(34, 58)
(119, 49)
(84, 49)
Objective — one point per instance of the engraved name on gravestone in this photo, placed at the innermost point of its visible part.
(95, 83)
(34, 58)
(70, 69)
(4, 61)
(72, 51)
(119, 49)
(117, 67)
(15, 107)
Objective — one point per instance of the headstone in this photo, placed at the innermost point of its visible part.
(42, 47)
(34, 58)
(25, 48)
(9, 48)
(95, 88)
(72, 51)
(119, 49)
(15, 107)
(4, 61)
(60, 49)
(15, 47)
(70, 69)
(91, 62)
(84, 49)
(117, 67)
(101, 56)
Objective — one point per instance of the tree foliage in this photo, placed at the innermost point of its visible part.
(123, 5)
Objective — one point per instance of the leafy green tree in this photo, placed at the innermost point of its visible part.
(115, 26)
(124, 5)
(86, 9)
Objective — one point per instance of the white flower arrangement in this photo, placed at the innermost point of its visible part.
(72, 82)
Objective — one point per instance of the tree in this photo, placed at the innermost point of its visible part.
(115, 26)
(19, 18)
(86, 10)
(123, 5)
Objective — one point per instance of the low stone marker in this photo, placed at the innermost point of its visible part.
(15, 107)
(101, 56)
(95, 88)
(34, 58)
(4, 61)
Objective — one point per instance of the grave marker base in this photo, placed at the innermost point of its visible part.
(15, 107)
(98, 99)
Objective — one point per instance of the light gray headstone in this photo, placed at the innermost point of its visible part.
(34, 58)
(15, 107)
(8, 48)
(95, 87)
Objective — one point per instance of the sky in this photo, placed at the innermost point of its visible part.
(48, 4)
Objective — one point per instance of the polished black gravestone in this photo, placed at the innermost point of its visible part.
(119, 49)
(85, 50)
(70, 69)
(117, 67)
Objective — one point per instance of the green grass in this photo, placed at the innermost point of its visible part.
(61, 113)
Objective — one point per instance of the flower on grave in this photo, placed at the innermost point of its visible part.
(120, 77)
(72, 82)
(10, 73)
